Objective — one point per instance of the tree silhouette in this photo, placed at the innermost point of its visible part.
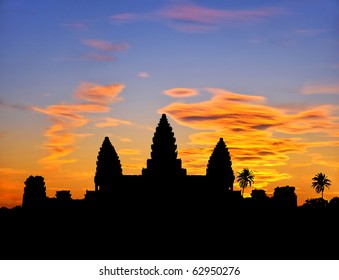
(108, 166)
(220, 165)
(334, 202)
(245, 178)
(320, 181)
(315, 203)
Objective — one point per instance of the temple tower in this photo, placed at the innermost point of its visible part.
(108, 166)
(164, 161)
(34, 193)
(219, 167)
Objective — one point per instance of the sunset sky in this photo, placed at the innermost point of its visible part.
(263, 75)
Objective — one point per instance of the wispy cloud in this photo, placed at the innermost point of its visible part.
(124, 17)
(310, 32)
(77, 25)
(103, 50)
(143, 74)
(252, 130)
(12, 171)
(180, 92)
(97, 57)
(111, 122)
(128, 152)
(199, 14)
(320, 88)
(190, 17)
(104, 45)
(4, 104)
(66, 118)
(92, 56)
(124, 139)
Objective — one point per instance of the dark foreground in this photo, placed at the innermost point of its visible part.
(179, 233)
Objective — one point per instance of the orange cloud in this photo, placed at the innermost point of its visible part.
(129, 152)
(66, 118)
(181, 92)
(124, 139)
(105, 45)
(258, 136)
(112, 122)
(99, 94)
(12, 171)
(224, 95)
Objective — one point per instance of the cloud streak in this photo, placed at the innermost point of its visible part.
(112, 122)
(104, 45)
(329, 88)
(199, 14)
(66, 118)
(97, 57)
(190, 17)
(4, 104)
(76, 25)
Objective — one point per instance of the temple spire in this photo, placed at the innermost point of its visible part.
(219, 166)
(164, 152)
(108, 166)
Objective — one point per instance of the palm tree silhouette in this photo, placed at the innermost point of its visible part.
(245, 178)
(320, 181)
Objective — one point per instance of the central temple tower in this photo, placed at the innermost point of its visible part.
(164, 161)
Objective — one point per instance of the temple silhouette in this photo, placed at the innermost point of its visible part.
(162, 182)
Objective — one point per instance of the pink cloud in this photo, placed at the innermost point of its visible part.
(190, 17)
(310, 32)
(99, 57)
(105, 45)
(79, 25)
(200, 14)
(181, 92)
(124, 17)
